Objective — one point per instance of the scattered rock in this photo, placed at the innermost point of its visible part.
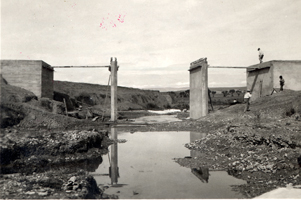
(30, 192)
(42, 193)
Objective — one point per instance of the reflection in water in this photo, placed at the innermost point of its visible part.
(201, 172)
(90, 164)
(114, 169)
(150, 170)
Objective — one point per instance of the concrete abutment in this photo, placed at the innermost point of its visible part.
(198, 88)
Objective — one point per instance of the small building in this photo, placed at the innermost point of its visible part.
(33, 75)
(263, 78)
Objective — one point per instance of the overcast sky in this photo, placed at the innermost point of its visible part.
(154, 40)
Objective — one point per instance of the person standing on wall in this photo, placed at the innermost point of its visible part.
(260, 55)
(247, 100)
(281, 83)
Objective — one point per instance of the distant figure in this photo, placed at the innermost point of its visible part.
(247, 100)
(281, 83)
(260, 55)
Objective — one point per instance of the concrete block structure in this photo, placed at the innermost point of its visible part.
(198, 99)
(263, 78)
(33, 75)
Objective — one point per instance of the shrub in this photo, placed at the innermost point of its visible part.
(167, 106)
(289, 110)
(182, 106)
(151, 106)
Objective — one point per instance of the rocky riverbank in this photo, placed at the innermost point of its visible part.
(51, 164)
(55, 184)
(263, 156)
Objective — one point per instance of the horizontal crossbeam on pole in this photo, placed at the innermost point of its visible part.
(227, 67)
(80, 66)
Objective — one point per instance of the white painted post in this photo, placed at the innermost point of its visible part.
(113, 70)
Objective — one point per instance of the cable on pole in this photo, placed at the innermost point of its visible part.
(104, 110)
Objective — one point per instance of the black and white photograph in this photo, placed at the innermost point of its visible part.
(150, 99)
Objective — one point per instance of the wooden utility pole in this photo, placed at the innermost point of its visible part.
(113, 70)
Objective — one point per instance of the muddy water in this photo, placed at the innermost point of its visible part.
(157, 119)
(143, 167)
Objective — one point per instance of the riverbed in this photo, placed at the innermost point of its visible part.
(141, 165)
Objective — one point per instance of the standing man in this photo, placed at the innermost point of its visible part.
(281, 83)
(247, 100)
(260, 55)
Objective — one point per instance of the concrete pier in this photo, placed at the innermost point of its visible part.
(198, 88)
(113, 70)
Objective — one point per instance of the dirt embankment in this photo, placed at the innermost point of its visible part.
(83, 101)
(98, 96)
(21, 108)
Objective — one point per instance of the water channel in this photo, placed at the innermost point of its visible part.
(141, 166)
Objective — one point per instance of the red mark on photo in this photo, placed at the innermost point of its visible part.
(121, 18)
(111, 21)
(113, 24)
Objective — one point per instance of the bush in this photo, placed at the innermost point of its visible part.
(151, 106)
(167, 106)
(289, 110)
(182, 106)
(86, 98)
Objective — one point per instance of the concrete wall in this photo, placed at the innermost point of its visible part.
(198, 100)
(264, 82)
(290, 71)
(47, 81)
(27, 74)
